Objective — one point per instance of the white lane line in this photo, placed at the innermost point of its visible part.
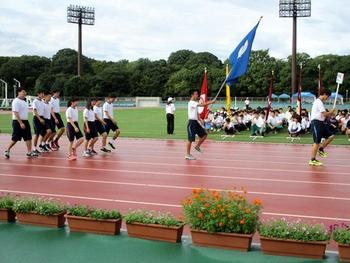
(159, 204)
(183, 187)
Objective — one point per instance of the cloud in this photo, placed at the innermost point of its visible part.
(154, 28)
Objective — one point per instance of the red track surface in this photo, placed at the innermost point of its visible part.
(153, 174)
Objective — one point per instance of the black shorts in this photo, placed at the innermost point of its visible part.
(110, 125)
(193, 128)
(348, 125)
(53, 125)
(71, 133)
(18, 133)
(48, 124)
(60, 124)
(99, 127)
(93, 131)
(319, 131)
(39, 128)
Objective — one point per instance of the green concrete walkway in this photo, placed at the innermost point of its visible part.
(27, 244)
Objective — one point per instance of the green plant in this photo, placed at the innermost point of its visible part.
(226, 211)
(152, 217)
(25, 205)
(341, 234)
(293, 230)
(7, 201)
(85, 211)
(40, 206)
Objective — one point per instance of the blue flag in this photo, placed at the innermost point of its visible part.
(239, 59)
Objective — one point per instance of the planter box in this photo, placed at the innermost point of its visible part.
(155, 232)
(222, 240)
(41, 220)
(96, 226)
(344, 253)
(7, 215)
(293, 248)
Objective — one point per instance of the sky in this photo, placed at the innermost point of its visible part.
(132, 29)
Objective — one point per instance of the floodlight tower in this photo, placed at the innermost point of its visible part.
(294, 9)
(81, 15)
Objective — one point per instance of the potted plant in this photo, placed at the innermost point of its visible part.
(221, 219)
(82, 218)
(6, 212)
(40, 211)
(341, 234)
(154, 225)
(295, 238)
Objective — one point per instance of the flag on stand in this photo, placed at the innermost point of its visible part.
(269, 98)
(239, 59)
(228, 94)
(299, 91)
(203, 111)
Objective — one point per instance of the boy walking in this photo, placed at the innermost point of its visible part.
(108, 118)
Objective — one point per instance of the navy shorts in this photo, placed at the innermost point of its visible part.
(319, 131)
(39, 128)
(72, 134)
(48, 124)
(193, 128)
(99, 127)
(18, 133)
(93, 131)
(60, 124)
(110, 125)
(53, 125)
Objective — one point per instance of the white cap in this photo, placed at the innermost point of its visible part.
(170, 99)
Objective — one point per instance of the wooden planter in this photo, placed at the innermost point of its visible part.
(222, 240)
(293, 248)
(41, 220)
(344, 253)
(96, 226)
(155, 232)
(7, 215)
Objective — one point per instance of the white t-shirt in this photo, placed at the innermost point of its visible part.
(47, 111)
(38, 105)
(272, 121)
(72, 113)
(294, 127)
(20, 106)
(247, 102)
(89, 115)
(98, 111)
(317, 109)
(170, 108)
(55, 103)
(192, 110)
(109, 108)
(260, 122)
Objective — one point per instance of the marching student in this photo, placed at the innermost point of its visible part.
(48, 123)
(20, 124)
(100, 125)
(56, 117)
(39, 123)
(90, 131)
(193, 126)
(170, 114)
(73, 130)
(318, 127)
(111, 123)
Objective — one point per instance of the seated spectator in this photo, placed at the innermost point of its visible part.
(305, 124)
(229, 127)
(273, 123)
(247, 119)
(343, 123)
(294, 127)
(258, 124)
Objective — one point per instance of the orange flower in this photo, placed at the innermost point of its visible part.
(257, 201)
(187, 201)
(221, 224)
(242, 222)
(222, 210)
(206, 204)
(213, 211)
(200, 215)
(180, 218)
(247, 211)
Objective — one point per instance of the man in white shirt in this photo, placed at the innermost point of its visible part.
(170, 114)
(56, 118)
(20, 124)
(39, 122)
(194, 127)
(247, 103)
(111, 123)
(318, 127)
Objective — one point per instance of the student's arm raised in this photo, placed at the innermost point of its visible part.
(203, 104)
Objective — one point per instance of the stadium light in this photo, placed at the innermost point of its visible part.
(294, 9)
(17, 85)
(5, 103)
(81, 15)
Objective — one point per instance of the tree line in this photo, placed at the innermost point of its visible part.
(176, 76)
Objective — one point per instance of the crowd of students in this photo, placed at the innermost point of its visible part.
(49, 127)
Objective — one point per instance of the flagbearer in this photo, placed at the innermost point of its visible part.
(318, 127)
(193, 127)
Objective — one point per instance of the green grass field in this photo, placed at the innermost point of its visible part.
(151, 123)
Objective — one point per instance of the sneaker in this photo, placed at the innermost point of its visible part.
(86, 154)
(54, 147)
(6, 154)
(105, 150)
(74, 152)
(323, 154)
(72, 157)
(198, 149)
(56, 143)
(43, 148)
(36, 152)
(93, 152)
(31, 155)
(47, 146)
(190, 157)
(315, 163)
(111, 145)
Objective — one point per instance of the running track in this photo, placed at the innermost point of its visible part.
(153, 174)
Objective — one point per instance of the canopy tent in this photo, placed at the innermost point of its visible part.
(284, 96)
(307, 97)
(340, 98)
(274, 96)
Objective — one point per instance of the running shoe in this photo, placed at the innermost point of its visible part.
(105, 150)
(111, 145)
(43, 148)
(31, 155)
(56, 143)
(190, 157)
(47, 146)
(93, 152)
(36, 152)
(315, 163)
(54, 146)
(6, 154)
(198, 149)
(87, 154)
(323, 154)
(74, 152)
(72, 157)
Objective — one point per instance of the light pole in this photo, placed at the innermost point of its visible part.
(81, 15)
(17, 85)
(347, 97)
(5, 103)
